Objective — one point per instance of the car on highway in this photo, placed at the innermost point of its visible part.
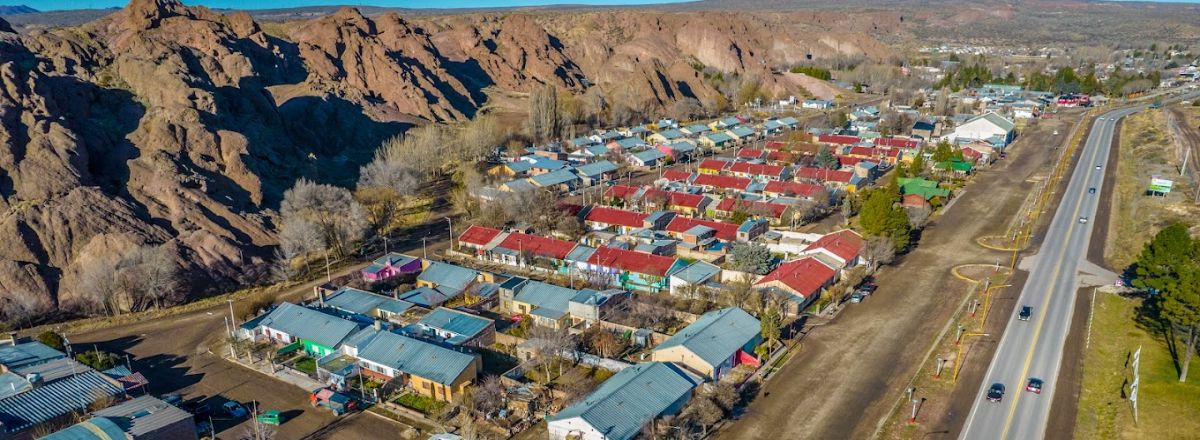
(1082, 219)
(1034, 385)
(1092, 190)
(995, 392)
(1025, 313)
(1097, 166)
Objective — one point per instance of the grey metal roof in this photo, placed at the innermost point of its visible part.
(308, 324)
(362, 302)
(556, 177)
(596, 168)
(416, 357)
(455, 321)
(55, 399)
(97, 428)
(449, 275)
(545, 296)
(429, 297)
(580, 253)
(143, 415)
(697, 273)
(624, 403)
(16, 356)
(717, 335)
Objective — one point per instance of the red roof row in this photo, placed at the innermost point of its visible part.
(614, 216)
(805, 276)
(631, 261)
(725, 231)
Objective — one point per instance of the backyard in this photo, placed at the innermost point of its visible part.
(1167, 408)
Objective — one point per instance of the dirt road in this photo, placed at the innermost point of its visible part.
(849, 373)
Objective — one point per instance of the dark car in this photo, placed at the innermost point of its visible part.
(1025, 313)
(200, 410)
(1092, 190)
(1034, 385)
(996, 392)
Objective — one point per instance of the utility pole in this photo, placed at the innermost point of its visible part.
(328, 277)
(450, 224)
(232, 354)
(232, 321)
(424, 254)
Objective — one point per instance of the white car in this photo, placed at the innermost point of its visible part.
(1082, 219)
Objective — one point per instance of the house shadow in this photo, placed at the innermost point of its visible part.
(166, 373)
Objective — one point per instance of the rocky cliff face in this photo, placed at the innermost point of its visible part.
(170, 125)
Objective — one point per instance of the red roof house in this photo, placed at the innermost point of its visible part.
(776, 188)
(843, 246)
(477, 236)
(537, 245)
(730, 204)
(746, 169)
(677, 175)
(750, 153)
(724, 231)
(722, 182)
(824, 175)
(804, 278)
(712, 166)
(603, 217)
(837, 139)
(897, 143)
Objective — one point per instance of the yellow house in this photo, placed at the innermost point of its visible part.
(714, 344)
(431, 370)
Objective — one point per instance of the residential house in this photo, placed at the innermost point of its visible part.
(777, 213)
(441, 282)
(785, 188)
(712, 166)
(622, 406)
(532, 251)
(40, 385)
(547, 304)
(714, 344)
(542, 165)
(666, 136)
(926, 129)
(391, 265)
(630, 269)
(751, 154)
(894, 142)
(712, 182)
(985, 127)
(838, 140)
(955, 166)
(751, 229)
(841, 249)
(600, 218)
(789, 122)
(679, 151)
(834, 178)
(430, 370)
(626, 144)
(589, 307)
(596, 172)
(700, 274)
(772, 126)
(454, 327)
(716, 141)
(637, 131)
(683, 228)
(561, 180)
(479, 238)
(149, 418)
(678, 176)
(696, 129)
(606, 137)
(317, 332)
(647, 159)
(759, 171)
(725, 123)
(800, 280)
(925, 188)
(817, 104)
(742, 134)
(362, 306)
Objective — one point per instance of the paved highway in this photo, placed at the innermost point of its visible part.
(1033, 348)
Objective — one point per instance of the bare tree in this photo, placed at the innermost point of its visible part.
(98, 286)
(545, 119)
(22, 308)
(488, 396)
(878, 250)
(342, 220)
(300, 237)
(157, 275)
(918, 217)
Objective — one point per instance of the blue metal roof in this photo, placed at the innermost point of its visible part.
(55, 399)
(429, 297)
(556, 177)
(671, 134)
(143, 415)
(718, 138)
(308, 324)
(649, 155)
(596, 168)
(628, 143)
(697, 128)
(717, 335)
(349, 299)
(699, 272)
(28, 353)
(416, 357)
(624, 403)
(449, 275)
(454, 321)
(581, 253)
(545, 296)
(598, 150)
(97, 428)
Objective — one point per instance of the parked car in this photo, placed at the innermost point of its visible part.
(1034, 385)
(1082, 219)
(336, 402)
(1025, 313)
(233, 409)
(1092, 190)
(1097, 166)
(172, 399)
(271, 417)
(856, 297)
(996, 392)
(200, 410)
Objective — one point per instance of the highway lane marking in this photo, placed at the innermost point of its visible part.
(1046, 302)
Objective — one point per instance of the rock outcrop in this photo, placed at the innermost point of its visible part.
(171, 125)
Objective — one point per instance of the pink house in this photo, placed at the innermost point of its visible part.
(391, 265)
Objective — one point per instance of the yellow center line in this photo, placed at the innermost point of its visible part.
(1046, 302)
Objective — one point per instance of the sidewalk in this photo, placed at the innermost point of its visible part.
(303, 382)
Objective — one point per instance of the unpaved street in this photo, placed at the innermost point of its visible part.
(849, 373)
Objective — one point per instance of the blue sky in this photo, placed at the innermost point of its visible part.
(50, 5)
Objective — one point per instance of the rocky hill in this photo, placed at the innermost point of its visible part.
(169, 125)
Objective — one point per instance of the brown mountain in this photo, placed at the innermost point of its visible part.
(166, 124)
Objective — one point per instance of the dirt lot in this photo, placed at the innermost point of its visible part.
(849, 374)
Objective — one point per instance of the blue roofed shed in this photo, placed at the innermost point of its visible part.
(456, 327)
(714, 344)
(621, 406)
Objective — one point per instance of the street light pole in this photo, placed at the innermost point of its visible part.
(424, 254)
(450, 225)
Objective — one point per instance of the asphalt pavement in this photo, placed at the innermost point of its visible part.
(1033, 348)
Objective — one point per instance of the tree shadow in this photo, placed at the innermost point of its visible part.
(1148, 316)
(166, 372)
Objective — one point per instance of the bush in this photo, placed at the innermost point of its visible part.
(250, 307)
(815, 72)
(52, 339)
(420, 403)
(99, 360)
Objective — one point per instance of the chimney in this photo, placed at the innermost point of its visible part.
(12, 338)
(320, 290)
(378, 325)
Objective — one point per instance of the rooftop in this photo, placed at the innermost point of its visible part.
(624, 403)
(308, 324)
(716, 335)
(416, 357)
(143, 415)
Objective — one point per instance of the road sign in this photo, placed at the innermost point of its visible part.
(1162, 186)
